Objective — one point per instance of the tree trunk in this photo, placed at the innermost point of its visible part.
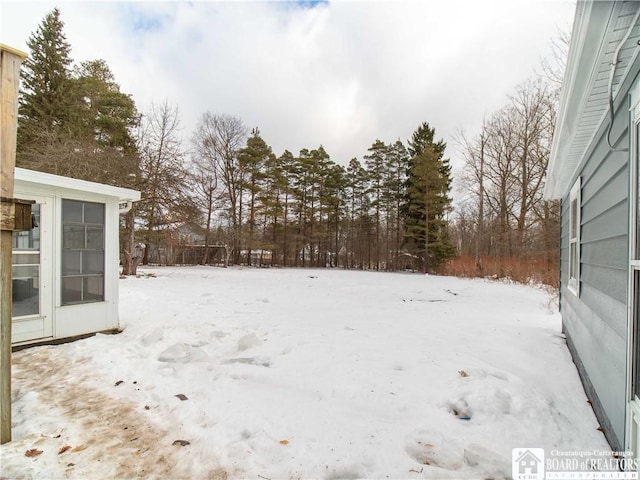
(480, 232)
(130, 257)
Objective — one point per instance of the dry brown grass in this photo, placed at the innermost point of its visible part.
(532, 269)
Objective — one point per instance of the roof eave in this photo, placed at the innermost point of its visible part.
(57, 181)
(590, 25)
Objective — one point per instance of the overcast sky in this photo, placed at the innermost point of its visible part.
(340, 74)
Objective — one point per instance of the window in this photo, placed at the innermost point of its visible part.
(574, 238)
(26, 268)
(82, 252)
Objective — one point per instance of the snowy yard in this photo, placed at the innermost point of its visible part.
(302, 374)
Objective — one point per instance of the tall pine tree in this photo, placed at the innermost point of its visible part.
(45, 101)
(73, 122)
(375, 162)
(253, 159)
(427, 199)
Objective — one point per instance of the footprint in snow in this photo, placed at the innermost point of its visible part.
(182, 353)
(430, 447)
(459, 408)
(248, 341)
(152, 337)
(260, 361)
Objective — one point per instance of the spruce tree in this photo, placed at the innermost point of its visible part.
(427, 199)
(45, 87)
(74, 122)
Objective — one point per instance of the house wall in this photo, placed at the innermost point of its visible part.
(595, 322)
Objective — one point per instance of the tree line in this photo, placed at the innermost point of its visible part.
(387, 212)
(225, 187)
(306, 210)
(506, 165)
(505, 227)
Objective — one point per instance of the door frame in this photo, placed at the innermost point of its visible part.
(46, 276)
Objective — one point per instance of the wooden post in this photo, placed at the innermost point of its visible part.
(10, 61)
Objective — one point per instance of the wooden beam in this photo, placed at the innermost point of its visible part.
(5, 333)
(15, 214)
(10, 61)
(22, 220)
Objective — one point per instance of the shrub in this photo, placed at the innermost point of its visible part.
(539, 269)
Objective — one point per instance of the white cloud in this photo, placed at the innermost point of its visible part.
(340, 74)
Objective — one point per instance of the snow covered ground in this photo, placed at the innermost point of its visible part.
(279, 374)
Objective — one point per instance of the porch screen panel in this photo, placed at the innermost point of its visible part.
(25, 268)
(82, 252)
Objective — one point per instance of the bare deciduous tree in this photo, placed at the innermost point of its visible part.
(554, 66)
(217, 141)
(204, 179)
(162, 173)
(505, 170)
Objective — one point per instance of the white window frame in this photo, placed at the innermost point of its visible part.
(574, 237)
(632, 434)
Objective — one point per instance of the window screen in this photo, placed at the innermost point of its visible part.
(26, 268)
(82, 252)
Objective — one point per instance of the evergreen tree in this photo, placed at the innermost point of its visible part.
(319, 165)
(45, 96)
(375, 162)
(392, 196)
(45, 100)
(301, 181)
(359, 222)
(102, 112)
(74, 122)
(252, 160)
(286, 167)
(100, 129)
(272, 198)
(427, 199)
(332, 203)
